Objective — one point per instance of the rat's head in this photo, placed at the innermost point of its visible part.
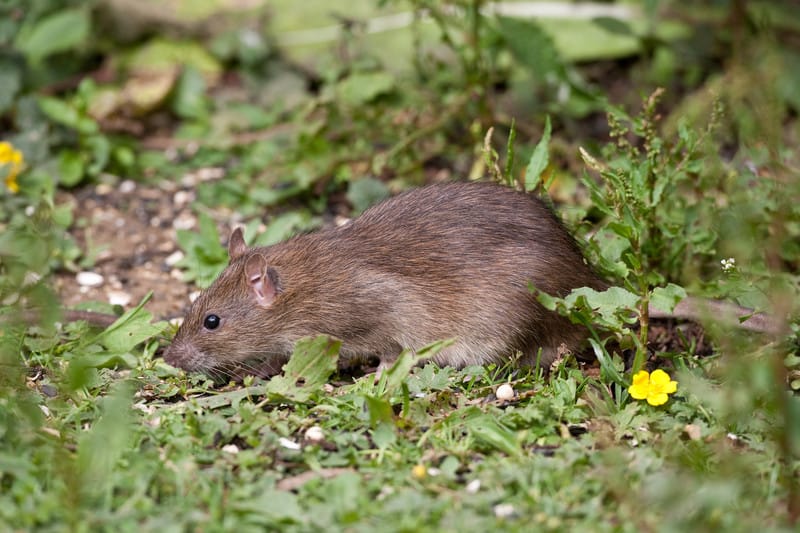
(231, 329)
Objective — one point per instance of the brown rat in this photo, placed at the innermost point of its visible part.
(439, 262)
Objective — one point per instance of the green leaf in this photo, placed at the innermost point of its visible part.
(614, 25)
(189, 99)
(132, 328)
(362, 88)
(313, 361)
(487, 430)
(666, 298)
(530, 46)
(393, 378)
(71, 168)
(284, 226)
(103, 445)
(539, 159)
(10, 83)
(62, 31)
(365, 192)
(205, 256)
(67, 115)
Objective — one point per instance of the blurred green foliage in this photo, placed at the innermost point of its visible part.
(97, 433)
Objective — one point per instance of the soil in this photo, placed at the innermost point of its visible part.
(131, 228)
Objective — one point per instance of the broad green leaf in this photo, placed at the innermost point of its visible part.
(362, 88)
(614, 25)
(10, 83)
(539, 159)
(666, 298)
(189, 98)
(487, 430)
(313, 361)
(530, 46)
(71, 167)
(130, 329)
(64, 30)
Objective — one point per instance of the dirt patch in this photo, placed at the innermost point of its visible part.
(130, 228)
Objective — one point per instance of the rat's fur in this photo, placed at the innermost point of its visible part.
(439, 262)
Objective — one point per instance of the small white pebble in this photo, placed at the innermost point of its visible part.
(181, 198)
(30, 210)
(176, 321)
(503, 510)
(31, 278)
(45, 410)
(505, 392)
(176, 273)
(173, 258)
(340, 221)
(473, 486)
(193, 296)
(119, 298)
(288, 444)
(314, 434)
(231, 449)
(89, 279)
(103, 189)
(127, 186)
(210, 173)
(184, 221)
(433, 471)
(155, 222)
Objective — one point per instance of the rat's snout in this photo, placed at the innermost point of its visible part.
(184, 355)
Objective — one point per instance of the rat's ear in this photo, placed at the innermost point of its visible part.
(262, 280)
(236, 244)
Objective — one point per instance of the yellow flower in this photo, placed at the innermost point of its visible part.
(10, 156)
(654, 387)
(419, 472)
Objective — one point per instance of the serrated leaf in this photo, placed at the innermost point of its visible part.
(539, 159)
(62, 31)
(312, 363)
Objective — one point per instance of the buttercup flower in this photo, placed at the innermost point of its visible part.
(654, 387)
(13, 158)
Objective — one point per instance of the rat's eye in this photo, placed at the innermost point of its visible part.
(211, 322)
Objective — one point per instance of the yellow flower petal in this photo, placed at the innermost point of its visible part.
(659, 377)
(14, 159)
(657, 398)
(11, 182)
(639, 392)
(640, 387)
